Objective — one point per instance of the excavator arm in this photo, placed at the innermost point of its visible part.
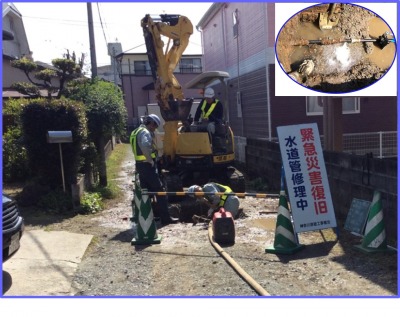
(168, 91)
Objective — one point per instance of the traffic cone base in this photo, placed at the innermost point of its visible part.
(293, 250)
(147, 241)
(285, 240)
(367, 250)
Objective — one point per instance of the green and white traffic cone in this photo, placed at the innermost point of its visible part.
(136, 200)
(146, 232)
(375, 236)
(285, 241)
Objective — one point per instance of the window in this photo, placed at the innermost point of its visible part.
(349, 106)
(142, 68)
(189, 66)
(11, 25)
(235, 25)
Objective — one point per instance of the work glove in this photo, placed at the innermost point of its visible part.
(210, 212)
(151, 163)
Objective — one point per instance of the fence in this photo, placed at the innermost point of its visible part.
(380, 144)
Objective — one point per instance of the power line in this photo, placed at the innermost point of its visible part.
(40, 18)
(101, 22)
(106, 27)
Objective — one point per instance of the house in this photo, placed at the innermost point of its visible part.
(15, 44)
(239, 38)
(137, 82)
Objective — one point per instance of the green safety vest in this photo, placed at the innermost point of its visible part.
(136, 149)
(224, 197)
(205, 115)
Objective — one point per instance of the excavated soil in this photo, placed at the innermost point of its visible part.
(186, 264)
(328, 75)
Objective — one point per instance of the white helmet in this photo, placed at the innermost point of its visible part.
(209, 93)
(155, 118)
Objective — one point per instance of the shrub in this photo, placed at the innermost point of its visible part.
(15, 161)
(32, 194)
(56, 202)
(42, 115)
(91, 203)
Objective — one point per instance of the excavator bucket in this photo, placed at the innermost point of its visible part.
(178, 110)
(328, 20)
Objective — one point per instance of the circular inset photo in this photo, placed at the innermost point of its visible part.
(335, 48)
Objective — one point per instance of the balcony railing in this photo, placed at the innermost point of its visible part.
(180, 70)
(188, 70)
(142, 72)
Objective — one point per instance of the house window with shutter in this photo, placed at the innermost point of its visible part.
(349, 106)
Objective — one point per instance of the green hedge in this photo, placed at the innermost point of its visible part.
(15, 161)
(37, 118)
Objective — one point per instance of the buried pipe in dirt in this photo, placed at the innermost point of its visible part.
(382, 41)
(257, 287)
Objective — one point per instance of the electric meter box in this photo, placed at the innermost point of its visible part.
(59, 137)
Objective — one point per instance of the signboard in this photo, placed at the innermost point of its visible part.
(306, 178)
(358, 215)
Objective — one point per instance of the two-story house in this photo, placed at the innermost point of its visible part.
(137, 82)
(15, 44)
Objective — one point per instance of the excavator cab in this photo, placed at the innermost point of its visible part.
(202, 157)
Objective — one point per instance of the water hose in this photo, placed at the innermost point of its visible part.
(257, 287)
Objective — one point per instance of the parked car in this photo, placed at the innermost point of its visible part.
(13, 227)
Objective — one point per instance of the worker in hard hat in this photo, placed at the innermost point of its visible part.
(215, 202)
(145, 150)
(209, 112)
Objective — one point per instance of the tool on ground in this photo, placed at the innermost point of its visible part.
(223, 226)
(328, 20)
(382, 41)
(196, 219)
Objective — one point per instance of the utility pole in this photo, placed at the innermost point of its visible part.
(91, 40)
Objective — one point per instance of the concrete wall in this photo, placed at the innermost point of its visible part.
(347, 174)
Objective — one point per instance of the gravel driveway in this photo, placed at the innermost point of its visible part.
(186, 264)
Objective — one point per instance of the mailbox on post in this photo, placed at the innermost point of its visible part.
(60, 137)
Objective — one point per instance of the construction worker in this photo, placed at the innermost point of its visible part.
(215, 202)
(210, 111)
(145, 150)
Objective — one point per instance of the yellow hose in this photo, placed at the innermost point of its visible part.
(257, 287)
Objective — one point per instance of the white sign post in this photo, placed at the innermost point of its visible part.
(306, 178)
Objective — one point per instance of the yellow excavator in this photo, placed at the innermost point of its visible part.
(188, 157)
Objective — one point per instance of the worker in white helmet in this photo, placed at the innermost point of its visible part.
(230, 203)
(209, 112)
(144, 148)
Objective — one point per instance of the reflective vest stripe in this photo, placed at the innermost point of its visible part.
(205, 115)
(224, 197)
(133, 141)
